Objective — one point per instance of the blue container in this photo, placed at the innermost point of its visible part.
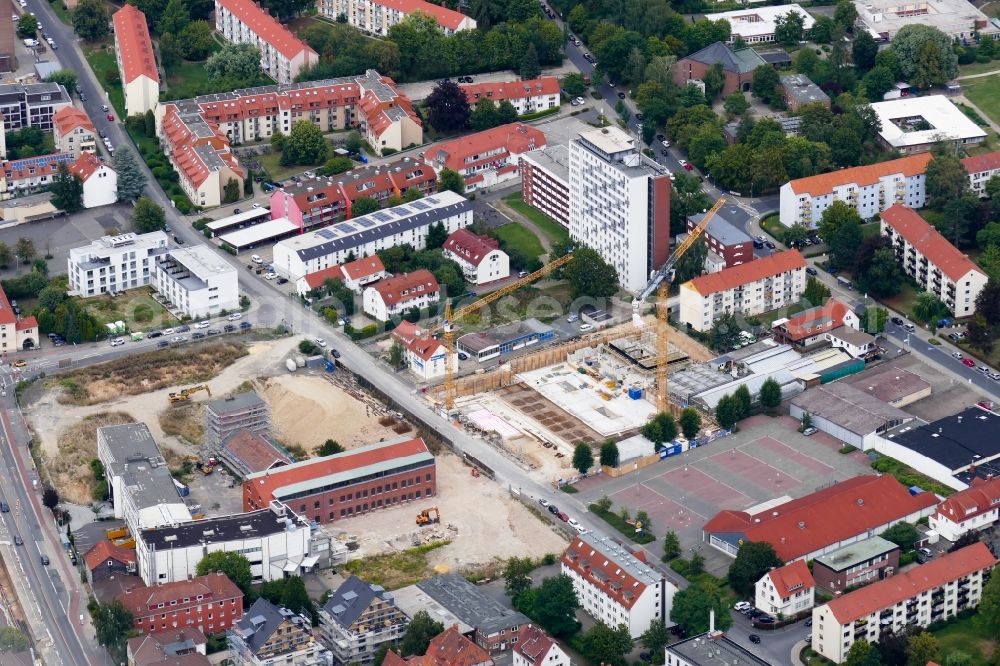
(635, 393)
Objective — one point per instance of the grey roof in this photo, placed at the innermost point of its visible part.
(740, 61)
(235, 403)
(849, 408)
(722, 229)
(554, 158)
(856, 553)
(800, 87)
(470, 604)
(261, 620)
(704, 650)
(349, 601)
(852, 336)
(250, 525)
(618, 553)
(957, 441)
(889, 384)
(775, 56)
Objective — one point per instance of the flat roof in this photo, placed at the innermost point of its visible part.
(759, 20)
(705, 650)
(722, 229)
(971, 437)
(411, 600)
(950, 16)
(904, 120)
(201, 262)
(890, 384)
(258, 233)
(803, 89)
(857, 553)
(850, 408)
(471, 605)
(553, 158)
(238, 402)
(251, 525)
(237, 219)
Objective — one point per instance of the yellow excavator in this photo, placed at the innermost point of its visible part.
(185, 394)
(428, 516)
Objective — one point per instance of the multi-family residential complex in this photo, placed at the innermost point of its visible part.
(811, 326)
(113, 264)
(31, 173)
(423, 354)
(242, 411)
(856, 564)
(377, 16)
(399, 294)
(99, 180)
(73, 132)
(762, 285)
(928, 593)
(959, 19)
(282, 54)
(355, 275)
(269, 635)
(727, 241)
(357, 619)
(31, 105)
(136, 62)
(937, 265)
(917, 124)
(480, 257)
(486, 158)
(619, 204)
(616, 586)
(737, 67)
(184, 646)
(981, 168)
(537, 648)
(528, 96)
(971, 510)
(786, 591)
(211, 604)
(449, 648)
(755, 25)
(16, 334)
(545, 181)
(365, 236)
(196, 282)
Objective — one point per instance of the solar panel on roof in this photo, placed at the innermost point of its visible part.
(381, 216)
(325, 233)
(402, 210)
(419, 205)
(364, 222)
(344, 226)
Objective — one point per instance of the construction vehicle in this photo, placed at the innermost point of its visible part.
(428, 516)
(185, 394)
(208, 467)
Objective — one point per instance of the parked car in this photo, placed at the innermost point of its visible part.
(810, 431)
(197, 335)
(958, 355)
(812, 271)
(553, 509)
(45, 560)
(282, 280)
(153, 334)
(201, 324)
(4, 507)
(770, 245)
(968, 362)
(214, 331)
(898, 321)
(755, 639)
(741, 605)
(462, 356)
(563, 517)
(235, 316)
(228, 328)
(320, 341)
(245, 325)
(184, 329)
(256, 258)
(117, 342)
(163, 343)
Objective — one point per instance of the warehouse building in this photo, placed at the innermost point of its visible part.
(851, 415)
(504, 339)
(896, 386)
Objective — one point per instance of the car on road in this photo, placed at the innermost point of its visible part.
(282, 280)
(553, 509)
(544, 502)
(104, 108)
(178, 338)
(995, 376)
(898, 321)
(666, 144)
(111, 117)
(742, 605)
(909, 327)
(197, 335)
(163, 343)
(168, 331)
(235, 316)
(968, 362)
(45, 560)
(270, 275)
(256, 258)
(809, 622)
(245, 325)
(228, 328)
(153, 334)
(770, 245)
(214, 331)
(687, 165)
(765, 619)
(646, 656)
(18, 541)
(20, 363)
(201, 324)
(958, 355)
(810, 431)
(574, 523)
(335, 353)
(572, 319)
(811, 271)
(117, 342)
(621, 95)
(984, 369)
(563, 517)
(4, 507)
(83, 96)
(755, 639)
(184, 329)
(320, 341)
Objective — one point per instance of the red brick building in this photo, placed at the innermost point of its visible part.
(737, 66)
(349, 483)
(210, 603)
(545, 181)
(725, 239)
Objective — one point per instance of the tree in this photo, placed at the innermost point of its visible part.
(946, 179)
(64, 77)
(555, 606)
(816, 292)
(878, 81)
(290, 593)
(988, 303)
(451, 180)
(881, 277)
(958, 658)
(860, 653)
(67, 190)
(196, 40)
(725, 332)
(736, 102)
(238, 63)
(51, 297)
(50, 498)
(921, 649)
(91, 19)
(170, 50)
(687, 198)
(660, 429)
(448, 108)
(437, 234)
(790, 28)
(583, 458)
(148, 216)
(517, 576)
(25, 249)
(671, 546)
(234, 565)
(573, 84)
(330, 447)
(744, 401)
(656, 638)
(12, 640)
(988, 613)
(690, 422)
(484, 116)
(753, 560)
(175, 18)
(113, 626)
(530, 69)
(589, 275)
(6, 255)
(27, 26)
(902, 534)
(131, 178)
(602, 644)
(845, 244)
(305, 145)
(727, 412)
(418, 634)
(397, 355)
(363, 206)
(980, 335)
(845, 15)
(230, 191)
(928, 308)
(863, 50)
(766, 84)
(770, 394)
(609, 453)
(938, 62)
(692, 606)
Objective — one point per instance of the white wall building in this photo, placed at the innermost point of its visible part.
(786, 591)
(114, 263)
(480, 257)
(619, 204)
(971, 510)
(197, 282)
(536, 648)
(136, 61)
(916, 124)
(377, 16)
(358, 618)
(526, 96)
(614, 586)
(753, 288)
(397, 295)
(425, 356)
(756, 25)
(282, 54)
(100, 181)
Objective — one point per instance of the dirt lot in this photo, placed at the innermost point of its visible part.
(77, 446)
(480, 519)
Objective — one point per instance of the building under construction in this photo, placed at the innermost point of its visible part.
(243, 411)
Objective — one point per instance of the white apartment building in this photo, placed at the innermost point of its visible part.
(928, 593)
(397, 295)
(619, 204)
(275, 540)
(545, 181)
(536, 648)
(486, 158)
(753, 288)
(197, 282)
(981, 168)
(480, 257)
(526, 96)
(282, 54)
(136, 62)
(786, 591)
(113, 264)
(73, 132)
(376, 16)
(16, 334)
(424, 355)
(615, 586)
(937, 265)
(270, 635)
(364, 236)
(100, 181)
(971, 510)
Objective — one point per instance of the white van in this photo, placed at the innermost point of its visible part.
(31, 43)
(586, 327)
(256, 258)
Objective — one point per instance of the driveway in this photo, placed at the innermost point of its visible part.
(775, 646)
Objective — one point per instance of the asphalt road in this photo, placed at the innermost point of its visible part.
(775, 646)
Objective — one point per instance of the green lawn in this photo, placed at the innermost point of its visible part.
(136, 307)
(870, 229)
(966, 637)
(102, 61)
(63, 12)
(978, 68)
(551, 228)
(519, 237)
(904, 300)
(773, 226)
(277, 172)
(768, 318)
(984, 92)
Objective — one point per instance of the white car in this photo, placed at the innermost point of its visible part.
(544, 502)
(235, 316)
(682, 162)
(957, 355)
(256, 205)
(117, 341)
(256, 258)
(201, 324)
(666, 144)
(168, 331)
(320, 341)
(270, 276)
(22, 3)
(574, 523)
(178, 338)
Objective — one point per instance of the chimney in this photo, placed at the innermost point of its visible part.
(711, 622)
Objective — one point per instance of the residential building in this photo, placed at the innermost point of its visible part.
(100, 181)
(73, 132)
(738, 66)
(357, 619)
(113, 264)
(619, 204)
(321, 201)
(856, 343)
(282, 55)
(8, 55)
(211, 604)
(505, 339)
(823, 521)
(196, 282)
(917, 124)
(756, 25)
(981, 168)
(269, 635)
(856, 564)
(449, 648)
(105, 559)
(486, 158)
(971, 510)
(526, 96)
(225, 417)
(136, 62)
(765, 284)
(32, 173)
(545, 181)
(786, 591)
(31, 105)
(143, 492)
(725, 239)
(495, 627)
(849, 413)
(245, 452)
(275, 540)
(296, 257)
(931, 592)
(809, 327)
(185, 646)
(800, 90)
(959, 19)
(425, 356)
(937, 265)
(480, 257)
(713, 648)
(16, 333)
(355, 275)
(616, 586)
(537, 648)
(346, 484)
(397, 295)
(376, 16)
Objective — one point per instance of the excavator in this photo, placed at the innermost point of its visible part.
(429, 516)
(185, 394)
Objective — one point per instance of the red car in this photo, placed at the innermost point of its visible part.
(563, 517)
(111, 117)
(968, 362)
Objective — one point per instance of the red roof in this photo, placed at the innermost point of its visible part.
(908, 584)
(829, 516)
(6, 313)
(919, 233)
(445, 17)
(600, 569)
(317, 278)
(68, 118)
(254, 451)
(86, 165)
(534, 645)
(363, 267)
(469, 247)
(26, 324)
(103, 551)
(861, 176)
(982, 163)
(142, 600)
(814, 321)
(475, 149)
(791, 578)
(406, 287)
(267, 28)
(451, 648)
(134, 47)
(30, 168)
(501, 90)
(982, 496)
(417, 341)
(730, 278)
(369, 181)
